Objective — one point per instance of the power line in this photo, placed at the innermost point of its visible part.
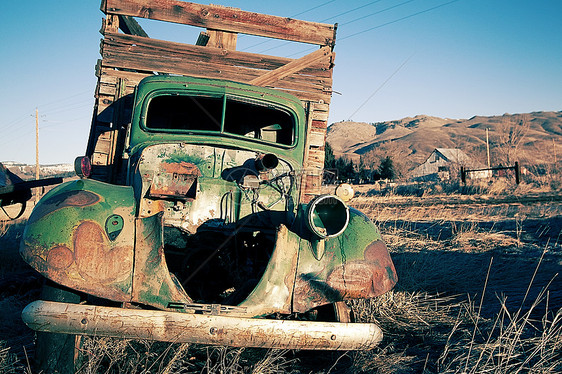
(62, 106)
(381, 25)
(294, 15)
(398, 20)
(352, 10)
(15, 122)
(64, 98)
(313, 8)
(378, 12)
(72, 107)
(381, 86)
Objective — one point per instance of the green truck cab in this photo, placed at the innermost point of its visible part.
(206, 225)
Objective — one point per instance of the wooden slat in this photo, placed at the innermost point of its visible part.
(132, 77)
(203, 39)
(292, 67)
(225, 19)
(222, 39)
(144, 54)
(130, 26)
(319, 125)
(315, 158)
(294, 84)
(317, 138)
(172, 50)
(320, 112)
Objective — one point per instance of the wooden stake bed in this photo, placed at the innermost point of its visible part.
(131, 55)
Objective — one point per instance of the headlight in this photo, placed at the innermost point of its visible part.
(327, 216)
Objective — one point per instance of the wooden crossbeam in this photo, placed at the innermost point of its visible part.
(225, 19)
(130, 26)
(291, 68)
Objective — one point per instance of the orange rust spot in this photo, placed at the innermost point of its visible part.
(183, 167)
(60, 257)
(352, 280)
(95, 258)
(81, 198)
(376, 251)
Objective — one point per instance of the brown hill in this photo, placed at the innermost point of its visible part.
(533, 138)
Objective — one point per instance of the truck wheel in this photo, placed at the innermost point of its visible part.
(335, 312)
(57, 353)
(343, 312)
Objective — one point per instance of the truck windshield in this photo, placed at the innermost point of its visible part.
(229, 115)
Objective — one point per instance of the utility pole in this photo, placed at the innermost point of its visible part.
(488, 147)
(36, 144)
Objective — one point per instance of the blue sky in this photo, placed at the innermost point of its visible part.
(394, 58)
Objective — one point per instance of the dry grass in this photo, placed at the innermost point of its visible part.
(107, 355)
(478, 293)
(431, 333)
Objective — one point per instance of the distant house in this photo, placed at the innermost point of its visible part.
(445, 164)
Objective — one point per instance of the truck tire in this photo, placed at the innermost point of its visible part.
(57, 353)
(335, 312)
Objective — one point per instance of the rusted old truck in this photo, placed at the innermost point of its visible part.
(198, 216)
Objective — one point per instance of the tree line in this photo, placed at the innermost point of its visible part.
(342, 169)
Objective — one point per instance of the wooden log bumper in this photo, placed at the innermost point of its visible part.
(179, 327)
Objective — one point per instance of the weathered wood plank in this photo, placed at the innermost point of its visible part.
(130, 26)
(110, 24)
(186, 52)
(138, 57)
(198, 69)
(321, 116)
(134, 78)
(315, 158)
(202, 39)
(225, 19)
(292, 67)
(317, 138)
(319, 107)
(316, 124)
(222, 39)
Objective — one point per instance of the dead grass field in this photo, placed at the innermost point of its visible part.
(479, 291)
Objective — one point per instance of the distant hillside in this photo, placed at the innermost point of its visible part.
(27, 172)
(531, 138)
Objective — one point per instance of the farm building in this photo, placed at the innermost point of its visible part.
(445, 164)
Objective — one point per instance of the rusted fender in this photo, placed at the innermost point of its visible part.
(354, 265)
(81, 235)
(176, 327)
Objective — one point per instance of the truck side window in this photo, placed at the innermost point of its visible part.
(169, 112)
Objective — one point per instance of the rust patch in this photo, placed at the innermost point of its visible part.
(367, 278)
(95, 258)
(352, 280)
(81, 198)
(175, 180)
(181, 168)
(377, 252)
(310, 292)
(60, 258)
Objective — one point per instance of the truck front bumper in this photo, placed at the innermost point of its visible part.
(178, 327)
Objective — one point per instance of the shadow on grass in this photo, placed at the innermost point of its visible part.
(512, 277)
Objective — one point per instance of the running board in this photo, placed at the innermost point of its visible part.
(178, 327)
